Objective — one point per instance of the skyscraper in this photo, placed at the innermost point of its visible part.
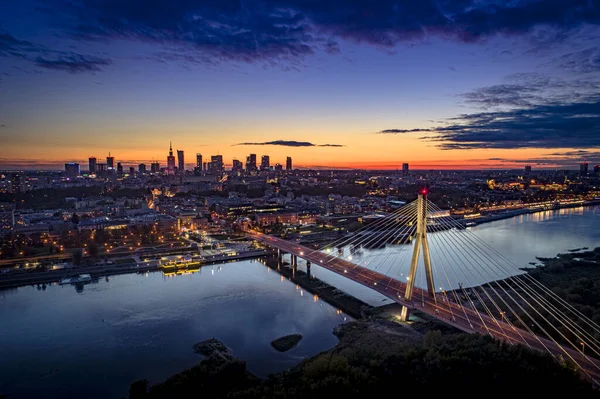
(199, 161)
(527, 168)
(71, 170)
(170, 161)
(216, 162)
(154, 167)
(597, 170)
(405, 168)
(180, 161)
(583, 169)
(131, 171)
(251, 163)
(92, 165)
(237, 166)
(278, 167)
(265, 162)
(110, 162)
(119, 168)
(288, 163)
(142, 169)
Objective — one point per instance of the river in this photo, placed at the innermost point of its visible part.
(60, 342)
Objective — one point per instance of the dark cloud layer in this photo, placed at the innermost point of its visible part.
(292, 143)
(259, 30)
(575, 125)
(44, 57)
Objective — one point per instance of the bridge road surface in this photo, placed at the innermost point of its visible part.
(460, 316)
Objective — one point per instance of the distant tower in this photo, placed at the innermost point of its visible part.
(110, 162)
(142, 169)
(199, 161)
(288, 164)
(265, 162)
(527, 168)
(180, 161)
(15, 184)
(583, 169)
(170, 160)
(71, 170)
(405, 168)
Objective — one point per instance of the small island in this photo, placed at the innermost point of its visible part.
(213, 348)
(287, 342)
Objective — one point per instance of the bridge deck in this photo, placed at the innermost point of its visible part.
(460, 316)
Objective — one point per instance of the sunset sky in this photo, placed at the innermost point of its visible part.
(332, 83)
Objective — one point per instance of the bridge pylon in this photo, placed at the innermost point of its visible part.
(420, 245)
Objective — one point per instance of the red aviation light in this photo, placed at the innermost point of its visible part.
(424, 191)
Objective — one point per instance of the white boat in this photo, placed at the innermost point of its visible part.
(82, 278)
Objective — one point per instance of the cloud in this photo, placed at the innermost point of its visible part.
(283, 30)
(44, 57)
(399, 131)
(575, 125)
(292, 143)
(73, 63)
(558, 159)
(2, 125)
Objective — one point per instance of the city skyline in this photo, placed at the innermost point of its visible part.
(441, 85)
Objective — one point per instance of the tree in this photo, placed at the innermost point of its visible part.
(75, 219)
(77, 256)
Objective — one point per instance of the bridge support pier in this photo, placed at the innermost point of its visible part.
(308, 268)
(294, 262)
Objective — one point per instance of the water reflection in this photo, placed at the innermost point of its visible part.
(64, 341)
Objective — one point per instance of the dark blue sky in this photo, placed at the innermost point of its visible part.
(332, 83)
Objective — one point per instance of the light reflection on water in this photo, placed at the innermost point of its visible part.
(94, 341)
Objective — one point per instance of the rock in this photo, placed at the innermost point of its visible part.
(287, 342)
(213, 348)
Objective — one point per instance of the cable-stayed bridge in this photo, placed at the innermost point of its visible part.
(485, 292)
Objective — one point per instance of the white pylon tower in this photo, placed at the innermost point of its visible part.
(420, 245)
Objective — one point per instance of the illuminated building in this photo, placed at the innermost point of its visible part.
(92, 165)
(131, 171)
(154, 167)
(119, 168)
(237, 166)
(288, 163)
(216, 164)
(110, 162)
(251, 163)
(597, 170)
(142, 169)
(170, 161)
(265, 162)
(180, 161)
(278, 167)
(101, 169)
(583, 169)
(7, 218)
(71, 170)
(199, 161)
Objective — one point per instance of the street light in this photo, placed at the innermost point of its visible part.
(582, 346)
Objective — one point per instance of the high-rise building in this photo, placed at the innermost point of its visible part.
(142, 169)
(204, 166)
(180, 161)
(92, 165)
(583, 169)
(154, 167)
(265, 162)
(101, 170)
(199, 161)
(15, 184)
(170, 161)
(119, 168)
(597, 170)
(405, 168)
(110, 162)
(288, 163)
(251, 163)
(217, 165)
(131, 171)
(71, 170)
(527, 168)
(278, 167)
(237, 166)
(7, 218)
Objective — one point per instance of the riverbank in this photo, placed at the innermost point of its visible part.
(517, 212)
(103, 270)
(371, 357)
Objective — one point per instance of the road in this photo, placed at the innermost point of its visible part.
(455, 314)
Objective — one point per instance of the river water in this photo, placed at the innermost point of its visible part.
(60, 342)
